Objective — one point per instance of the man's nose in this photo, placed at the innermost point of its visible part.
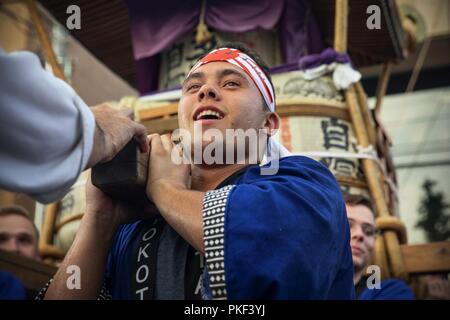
(357, 233)
(208, 91)
(11, 245)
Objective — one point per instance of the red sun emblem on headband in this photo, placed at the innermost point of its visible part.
(221, 55)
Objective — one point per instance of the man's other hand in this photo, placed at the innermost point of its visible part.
(162, 169)
(113, 130)
(110, 212)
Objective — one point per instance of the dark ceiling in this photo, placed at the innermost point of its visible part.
(366, 47)
(105, 32)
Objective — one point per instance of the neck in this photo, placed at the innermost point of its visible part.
(357, 274)
(206, 178)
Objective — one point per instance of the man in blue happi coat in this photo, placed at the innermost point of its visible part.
(224, 226)
(363, 233)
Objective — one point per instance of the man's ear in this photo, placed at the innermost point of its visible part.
(272, 123)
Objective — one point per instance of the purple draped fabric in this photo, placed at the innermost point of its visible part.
(155, 25)
(147, 74)
(242, 16)
(299, 32)
(327, 56)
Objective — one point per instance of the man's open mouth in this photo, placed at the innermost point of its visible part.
(208, 114)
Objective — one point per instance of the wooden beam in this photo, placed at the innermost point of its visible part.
(51, 253)
(351, 182)
(312, 110)
(373, 174)
(67, 219)
(34, 274)
(382, 85)
(340, 26)
(152, 113)
(395, 255)
(283, 109)
(370, 167)
(48, 227)
(380, 257)
(162, 125)
(164, 119)
(44, 39)
(427, 258)
(365, 111)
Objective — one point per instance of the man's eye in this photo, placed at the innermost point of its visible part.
(193, 87)
(25, 240)
(231, 84)
(369, 231)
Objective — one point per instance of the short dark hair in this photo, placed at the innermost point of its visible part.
(354, 200)
(252, 54)
(19, 211)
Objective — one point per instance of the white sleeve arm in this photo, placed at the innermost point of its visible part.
(46, 130)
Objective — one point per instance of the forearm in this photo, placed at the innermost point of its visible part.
(98, 150)
(63, 117)
(182, 209)
(88, 252)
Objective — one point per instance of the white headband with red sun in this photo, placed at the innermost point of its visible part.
(243, 61)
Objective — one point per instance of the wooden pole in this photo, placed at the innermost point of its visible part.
(340, 26)
(370, 168)
(48, 225)
(374, 177)
(395, 255)
(368, 120)
(382, 85)
(44, 39)
(424, 49)
(380, 259)
(369, 165)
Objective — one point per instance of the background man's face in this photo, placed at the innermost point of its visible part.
(362, 232)
(17, 234)
(228, 92)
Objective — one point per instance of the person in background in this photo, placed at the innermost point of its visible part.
(363, 231)
(48, 135)
(11, 288)
(18, 234)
